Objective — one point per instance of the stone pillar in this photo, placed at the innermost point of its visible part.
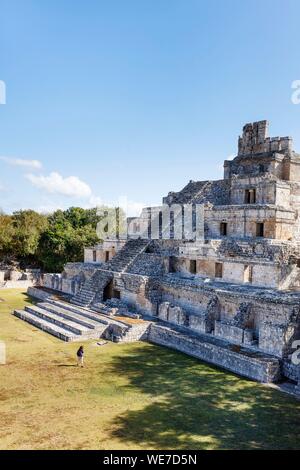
(163, 311)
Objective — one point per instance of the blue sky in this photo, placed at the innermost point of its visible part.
(133, 98)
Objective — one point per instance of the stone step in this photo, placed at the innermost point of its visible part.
(73, 316)
(75, 328)
(127, 254)
(102, 318)
(49, 327)
(91, 288)
(71, 323)
(79, 303)
(85, 312)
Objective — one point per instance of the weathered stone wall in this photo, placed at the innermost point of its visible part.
(199, 192)
(290, 370)
(134, 292)
(270, 317)
(103, 252)
(241, 221)
(266, 370)
(267, 191)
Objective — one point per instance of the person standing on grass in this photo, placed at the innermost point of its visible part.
(80, 354)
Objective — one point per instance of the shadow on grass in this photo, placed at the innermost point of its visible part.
(67, 365)
(191, 405)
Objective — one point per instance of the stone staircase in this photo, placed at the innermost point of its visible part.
(61, 322)
(127, 255)
(92, 289)
(72, 323)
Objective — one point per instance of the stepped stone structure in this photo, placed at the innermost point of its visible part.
(226, 291)
(12, 277)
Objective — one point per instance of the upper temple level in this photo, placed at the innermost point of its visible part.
(259, 154)
(268, 166)
(263, 177)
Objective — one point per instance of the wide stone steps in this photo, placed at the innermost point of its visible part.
(85, 313)
(62, 322)
(73, 316)
(72, 323)
(46, 326)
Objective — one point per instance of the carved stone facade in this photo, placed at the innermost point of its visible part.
(234, 288)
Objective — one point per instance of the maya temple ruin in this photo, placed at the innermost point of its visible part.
(226, 292)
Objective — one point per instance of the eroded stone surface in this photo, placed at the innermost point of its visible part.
(236, 284)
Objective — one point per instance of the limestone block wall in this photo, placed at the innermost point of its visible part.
(270, 317)
(290, 370)
(265, 190)
(193, 301)
(276, 338)
(133, 291)
(266, 275)
(292, 169)
(93, 255)
(103, 252)
(241, 222)
(263, 274)
(266, 370)
(52, 281)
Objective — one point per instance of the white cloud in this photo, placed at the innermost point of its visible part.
(95, 201)
(54, 183)
(33, 164)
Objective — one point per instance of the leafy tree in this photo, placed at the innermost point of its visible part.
(6, 234)
(67, 234)
(27, 228)
(53, 240)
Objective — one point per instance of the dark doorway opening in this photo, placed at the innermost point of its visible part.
(108, 291)
(172, 264)
(259, 229)
(223, 229)
(250, 196)
(193, 266)
(218, 270)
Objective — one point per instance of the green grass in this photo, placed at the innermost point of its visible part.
(134, 396)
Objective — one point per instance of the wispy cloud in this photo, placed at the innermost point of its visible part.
(33, 164)
(55, 183)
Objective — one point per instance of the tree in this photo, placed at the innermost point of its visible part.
(28, 226)
(66, 236)
(6, 234)
(51, 241)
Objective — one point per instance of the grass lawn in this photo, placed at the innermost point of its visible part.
(134, 396)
